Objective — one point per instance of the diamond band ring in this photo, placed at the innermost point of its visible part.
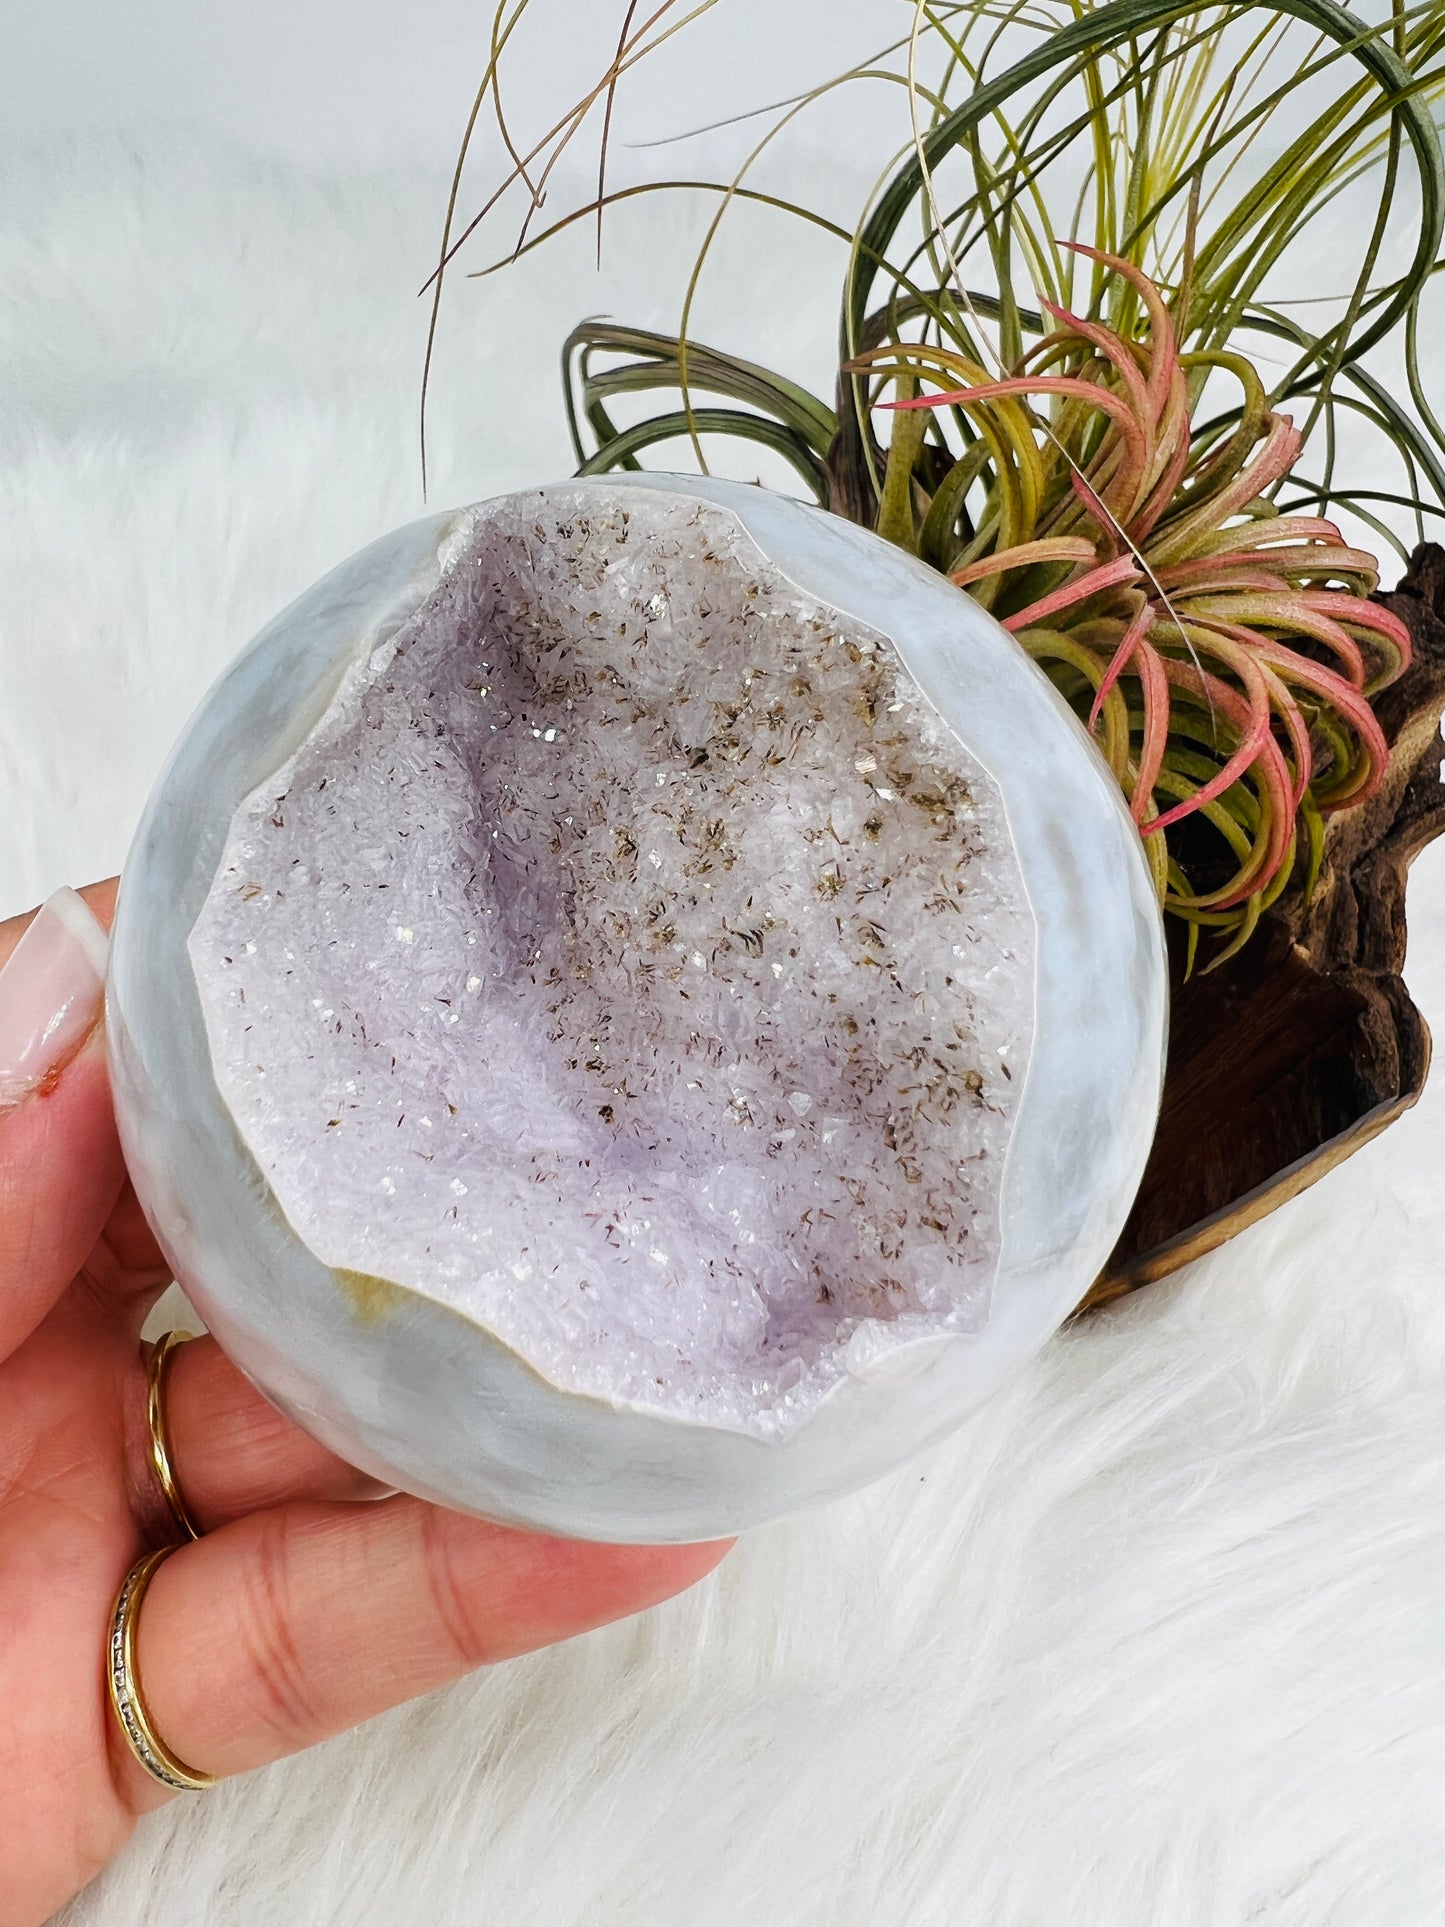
(124, 1683)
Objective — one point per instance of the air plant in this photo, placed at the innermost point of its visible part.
(1068, 362)
(1223, 654)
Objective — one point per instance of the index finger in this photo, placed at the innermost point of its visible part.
(60, 1160)
(99, 896)
(136, 1258)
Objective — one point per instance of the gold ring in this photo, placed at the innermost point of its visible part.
(160, 1438)
(124, 1682)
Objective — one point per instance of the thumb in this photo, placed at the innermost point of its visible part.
(60, 1161)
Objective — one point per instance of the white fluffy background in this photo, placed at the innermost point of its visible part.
(1158, 1641)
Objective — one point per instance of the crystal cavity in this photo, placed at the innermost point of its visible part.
(631, 959)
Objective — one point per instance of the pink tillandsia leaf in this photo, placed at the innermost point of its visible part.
(1112, 347)
(1269, 770)
(1055, 548)
(1387, 633)
(1156, 503)
(1085, 492)
(1351, 706)
(1296, 728)
(1348, 702)
(1272, 529)
(1244, 710)
(1161, 400)
(1154, 688)
(1092, 394)
(1287, 559)
(1269, 694)
(1272, 464)
(1122, 656)
(1111, 576)
(1276, 610)
(1164, 352)
(1243, 759)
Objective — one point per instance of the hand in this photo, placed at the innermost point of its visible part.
(301, 1611)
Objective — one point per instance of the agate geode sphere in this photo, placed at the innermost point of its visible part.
(634, 1007)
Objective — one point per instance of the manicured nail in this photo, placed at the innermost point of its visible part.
(51, 991)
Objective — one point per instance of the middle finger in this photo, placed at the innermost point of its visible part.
(231, 1451)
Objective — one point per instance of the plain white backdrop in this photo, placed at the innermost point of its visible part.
(212, 213)
(1158, 1640)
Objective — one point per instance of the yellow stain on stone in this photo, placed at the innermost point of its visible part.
(372, 1298)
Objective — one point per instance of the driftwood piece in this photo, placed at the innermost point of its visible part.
(1306, 1044)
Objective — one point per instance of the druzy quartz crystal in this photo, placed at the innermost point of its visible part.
(626, 1005)
(631, 959)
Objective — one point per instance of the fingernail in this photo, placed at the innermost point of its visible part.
(51, 991)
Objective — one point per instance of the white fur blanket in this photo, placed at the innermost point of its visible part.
(1158, 1641)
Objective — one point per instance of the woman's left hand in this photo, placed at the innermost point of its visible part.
(300, 1611)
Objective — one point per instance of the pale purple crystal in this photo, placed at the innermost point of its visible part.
(631, 959)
